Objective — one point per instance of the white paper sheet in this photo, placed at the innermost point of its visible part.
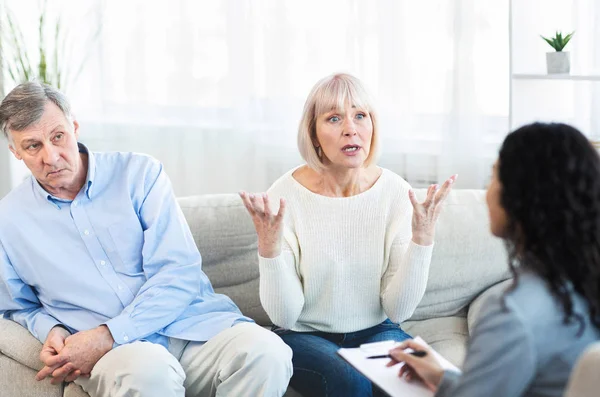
(387, 378)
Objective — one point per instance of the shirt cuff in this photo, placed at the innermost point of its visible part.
(449, 380)
(43, 325)
(122, 329)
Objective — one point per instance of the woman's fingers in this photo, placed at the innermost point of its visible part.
(281, 212)
(403, 370)
(259, 207)
(435, 194)
(257, 204)
(266, 204)
(413, 198)
(428, 198)
(400, 355)
(410, 344)
(247, 204)
(430, 195)
(445, 190)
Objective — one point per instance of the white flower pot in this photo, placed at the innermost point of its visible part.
(558, 62)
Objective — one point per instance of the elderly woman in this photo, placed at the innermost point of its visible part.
(344, 246)
(544, 201)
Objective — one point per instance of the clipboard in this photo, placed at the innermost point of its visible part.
(387, 378)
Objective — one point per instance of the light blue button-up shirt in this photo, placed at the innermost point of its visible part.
(120, 254)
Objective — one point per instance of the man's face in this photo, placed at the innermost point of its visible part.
(49, 149)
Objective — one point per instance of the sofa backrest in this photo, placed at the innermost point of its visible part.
(466, 259)
(227, 241)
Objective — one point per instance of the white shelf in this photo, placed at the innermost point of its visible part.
(591, 77)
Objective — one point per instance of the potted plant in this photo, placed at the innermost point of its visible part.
(49, 62)
(558, 61)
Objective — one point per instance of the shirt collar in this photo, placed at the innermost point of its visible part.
(91, 173)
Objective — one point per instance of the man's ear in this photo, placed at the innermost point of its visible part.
(76, 129)
(14, 152)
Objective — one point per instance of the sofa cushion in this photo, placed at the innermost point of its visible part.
(475, 307)
(18, 344)
(227, 241)
(466, 259)
(18, 380)
(447, 335)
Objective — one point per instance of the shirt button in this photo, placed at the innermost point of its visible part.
(126, 338)
(75, 203)
(86, 232)
(120, 287)
(102, 263)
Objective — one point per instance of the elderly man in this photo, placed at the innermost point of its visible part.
(97, 261)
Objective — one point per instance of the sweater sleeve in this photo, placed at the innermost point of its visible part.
(281, 292)
(404, 282)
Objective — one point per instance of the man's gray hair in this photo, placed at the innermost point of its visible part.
(24, 106)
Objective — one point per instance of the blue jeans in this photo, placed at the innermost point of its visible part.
(320, 371)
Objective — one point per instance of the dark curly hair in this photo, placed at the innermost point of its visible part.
(550, 177)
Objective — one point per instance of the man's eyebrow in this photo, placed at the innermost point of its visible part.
(28, 141)
(58, 127)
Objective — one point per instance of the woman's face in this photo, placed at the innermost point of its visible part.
(344, 136)
(498, 218)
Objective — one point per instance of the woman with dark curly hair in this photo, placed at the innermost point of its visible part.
(544, 201)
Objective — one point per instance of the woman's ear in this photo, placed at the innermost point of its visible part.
(315, 141)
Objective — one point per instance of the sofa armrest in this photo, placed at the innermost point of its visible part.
(18, 344)
(477, 303)
(584, 380)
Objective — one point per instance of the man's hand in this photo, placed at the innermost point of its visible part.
(78, 355)
(84, 349)
(55, 342)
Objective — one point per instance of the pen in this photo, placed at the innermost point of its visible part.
(417, 353)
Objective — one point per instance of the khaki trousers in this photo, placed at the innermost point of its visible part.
(244, 360)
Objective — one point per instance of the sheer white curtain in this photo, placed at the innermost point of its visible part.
(214, 89)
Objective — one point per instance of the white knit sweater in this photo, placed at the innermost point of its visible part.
(347, 263)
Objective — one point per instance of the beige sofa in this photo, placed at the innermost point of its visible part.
(467, 263)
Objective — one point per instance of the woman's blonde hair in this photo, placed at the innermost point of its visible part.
(330, 93)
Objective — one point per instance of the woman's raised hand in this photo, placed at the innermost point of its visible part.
(269, 226)
(425, 214)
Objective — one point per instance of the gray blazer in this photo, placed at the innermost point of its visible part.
(522, 348)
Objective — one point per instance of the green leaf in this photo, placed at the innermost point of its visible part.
(54, 61)
(57, 74)
(567, 39)
(548, 41)
(23, 69)
(42, 66)
(558, 42)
